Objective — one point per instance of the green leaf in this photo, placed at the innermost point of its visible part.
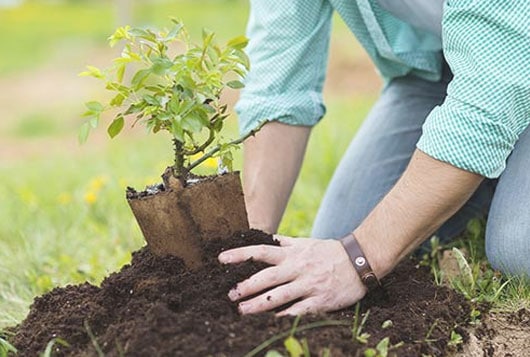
(145, 34)
(94, 121)
(161, 65)
(235, 84)
(117, 100)
(227, 159)
(140, 77)
(387, 324)
(239, 42)
(120, 71)
(192, 123)
(466, 273)
(273, 353)
(382, 347)
(293, 346)
(6, 348)
(118, 35)
(151, 100)
(116, 126)
(174, 31)
(176, 130)
(94, 106)
(83, 133)
(48, 352)
(92, 72)
(207, 37)
(370, 352)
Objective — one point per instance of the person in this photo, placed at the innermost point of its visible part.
(446, 141)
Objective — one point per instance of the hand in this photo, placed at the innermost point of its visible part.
(318, 272)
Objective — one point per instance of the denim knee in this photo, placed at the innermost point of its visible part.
(508, 250)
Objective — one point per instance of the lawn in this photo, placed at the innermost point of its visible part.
(65, 216)
(65, 204)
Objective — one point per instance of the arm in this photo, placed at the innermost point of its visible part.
(468, 137)
(288, 50)
(320, 271)
(428, 193)
(272, 161)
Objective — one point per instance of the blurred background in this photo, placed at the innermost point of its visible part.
(63, 214)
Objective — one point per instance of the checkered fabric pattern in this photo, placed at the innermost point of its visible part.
(486, 43)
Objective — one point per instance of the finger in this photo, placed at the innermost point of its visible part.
(265, 279)
(284, 241)
(306, 306)
(265, 253)
(271, 299)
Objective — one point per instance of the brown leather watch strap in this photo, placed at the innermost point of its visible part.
(359, 261)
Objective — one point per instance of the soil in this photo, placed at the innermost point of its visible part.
(500, 334)
(156, 307)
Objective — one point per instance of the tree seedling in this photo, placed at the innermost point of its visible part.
(167, 83)
(171, 90)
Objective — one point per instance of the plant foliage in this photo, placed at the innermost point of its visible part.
(167, 83)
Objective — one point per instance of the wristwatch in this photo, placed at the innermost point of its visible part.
(359, 261)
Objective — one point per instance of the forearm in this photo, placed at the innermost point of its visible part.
(428, 193)
(271, 163)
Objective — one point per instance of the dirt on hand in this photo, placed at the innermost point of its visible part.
(157, 307)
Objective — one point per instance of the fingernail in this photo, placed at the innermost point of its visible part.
(224, 258)
(233, 295)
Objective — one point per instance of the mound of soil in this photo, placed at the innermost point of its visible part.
(156, 307)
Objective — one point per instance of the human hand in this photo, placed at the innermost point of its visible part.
(318, 272)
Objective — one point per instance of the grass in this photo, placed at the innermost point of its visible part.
(64, 212)
(69, 221)
(37, 31)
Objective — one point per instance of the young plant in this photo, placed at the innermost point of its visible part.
(382, 348)
(358, 324)
(171, 90)
(48, 352)
(5, 347)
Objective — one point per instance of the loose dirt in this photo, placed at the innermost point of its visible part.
(156, 307)
(500, 334)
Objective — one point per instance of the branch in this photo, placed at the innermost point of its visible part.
(218, 147)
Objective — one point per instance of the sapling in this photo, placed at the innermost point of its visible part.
(169, 84)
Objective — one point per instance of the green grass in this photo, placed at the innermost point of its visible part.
(65, 218)
(38, 31)
(35, 31)
(69, 221)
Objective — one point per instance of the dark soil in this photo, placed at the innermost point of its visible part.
(156, 307)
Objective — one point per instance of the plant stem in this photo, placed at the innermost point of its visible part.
(218, 147)
(178, 167)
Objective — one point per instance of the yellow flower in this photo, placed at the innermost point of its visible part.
(91, 197)
(211, 163)
(97, 183)
(64, 198)
(28, 197)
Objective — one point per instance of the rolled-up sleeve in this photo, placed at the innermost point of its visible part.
(288, 52)
(487, 46)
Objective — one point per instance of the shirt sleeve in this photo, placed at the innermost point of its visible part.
(487, 46)
(288, 52)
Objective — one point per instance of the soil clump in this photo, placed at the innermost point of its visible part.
(155, 306)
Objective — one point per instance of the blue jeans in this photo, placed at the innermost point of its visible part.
(379, 154)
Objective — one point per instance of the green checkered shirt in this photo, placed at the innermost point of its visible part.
(486, 43)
